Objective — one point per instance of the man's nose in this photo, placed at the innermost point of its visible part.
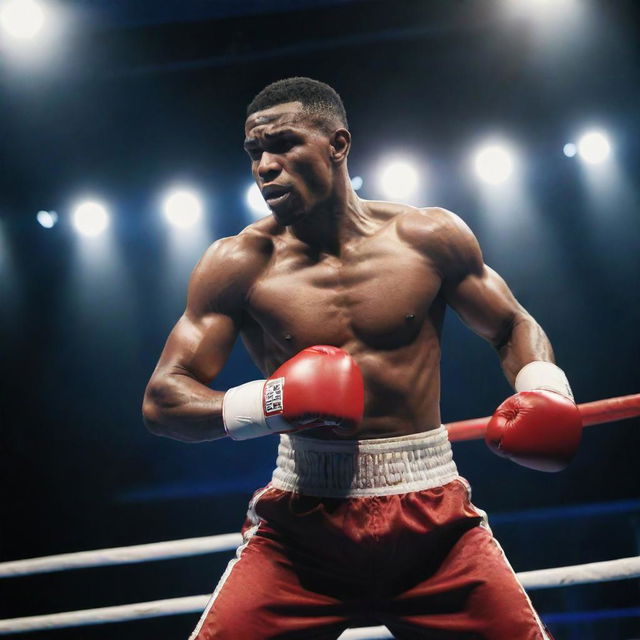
(269, 166)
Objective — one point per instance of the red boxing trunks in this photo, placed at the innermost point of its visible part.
(363, 533)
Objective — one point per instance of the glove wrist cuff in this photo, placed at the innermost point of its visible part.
(253, 409)
(243, 413)
(543, 375)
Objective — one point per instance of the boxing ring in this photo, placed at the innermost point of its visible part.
(593, 413)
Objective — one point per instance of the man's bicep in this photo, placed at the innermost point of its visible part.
(484, 303)
(202, 339)
(476, 292)
(198, 346)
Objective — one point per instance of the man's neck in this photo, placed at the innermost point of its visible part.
(335, 222)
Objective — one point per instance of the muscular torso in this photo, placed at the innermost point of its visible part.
(379, 299)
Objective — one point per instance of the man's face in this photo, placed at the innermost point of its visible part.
(290, 160)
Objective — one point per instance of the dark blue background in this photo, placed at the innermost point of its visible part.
(142, 96)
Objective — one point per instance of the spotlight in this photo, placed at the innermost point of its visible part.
(593, 147)
(182, 208)
(90, 218)
(546, 9)
(47, 219)
(493, 164)
(256, 202)
(356, 183)
(569, 150)
(21, 19)
(399, 179)
(539, 4)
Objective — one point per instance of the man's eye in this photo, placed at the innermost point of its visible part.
(255, 154)
(280, 146)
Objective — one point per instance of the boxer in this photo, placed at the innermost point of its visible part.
(340, 302)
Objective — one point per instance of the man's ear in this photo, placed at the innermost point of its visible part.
(340, 145)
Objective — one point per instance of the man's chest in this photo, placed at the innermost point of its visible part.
(379, 294)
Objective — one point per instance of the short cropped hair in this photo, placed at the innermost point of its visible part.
(318, 99)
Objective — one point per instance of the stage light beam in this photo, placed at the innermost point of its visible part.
(22, 19)
(256, 203)
(47, 219)
(398, 179)
(90, 218)
(182, 208)
(594, 147)
(493, 164)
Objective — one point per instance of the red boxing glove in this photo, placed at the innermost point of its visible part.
(320, 385)
(538, 429)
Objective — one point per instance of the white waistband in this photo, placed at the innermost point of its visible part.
(385, 466)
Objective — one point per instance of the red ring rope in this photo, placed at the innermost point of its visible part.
(598, 412)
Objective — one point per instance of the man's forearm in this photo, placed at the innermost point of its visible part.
(539, 426)
(177, 406)
(526, 342)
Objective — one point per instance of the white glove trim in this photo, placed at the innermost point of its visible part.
(543, 375)
(242, 411)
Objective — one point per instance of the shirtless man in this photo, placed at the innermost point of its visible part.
(366, 520)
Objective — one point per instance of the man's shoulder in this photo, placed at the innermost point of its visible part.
(432, 227)
(264, 229)
(443, 237)
(254, 242)
(239, 258)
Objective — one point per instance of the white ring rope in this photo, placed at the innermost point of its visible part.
(621, 569)
(122, 555)
(606, 571)
(121, 613)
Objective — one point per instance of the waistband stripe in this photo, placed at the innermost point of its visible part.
(385, 466)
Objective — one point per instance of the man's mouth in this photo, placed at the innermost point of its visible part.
(275, 201)
(275, 194)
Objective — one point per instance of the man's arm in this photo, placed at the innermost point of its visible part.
(485, 303)
(540, 426)
(323, 384)
(178, 402)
